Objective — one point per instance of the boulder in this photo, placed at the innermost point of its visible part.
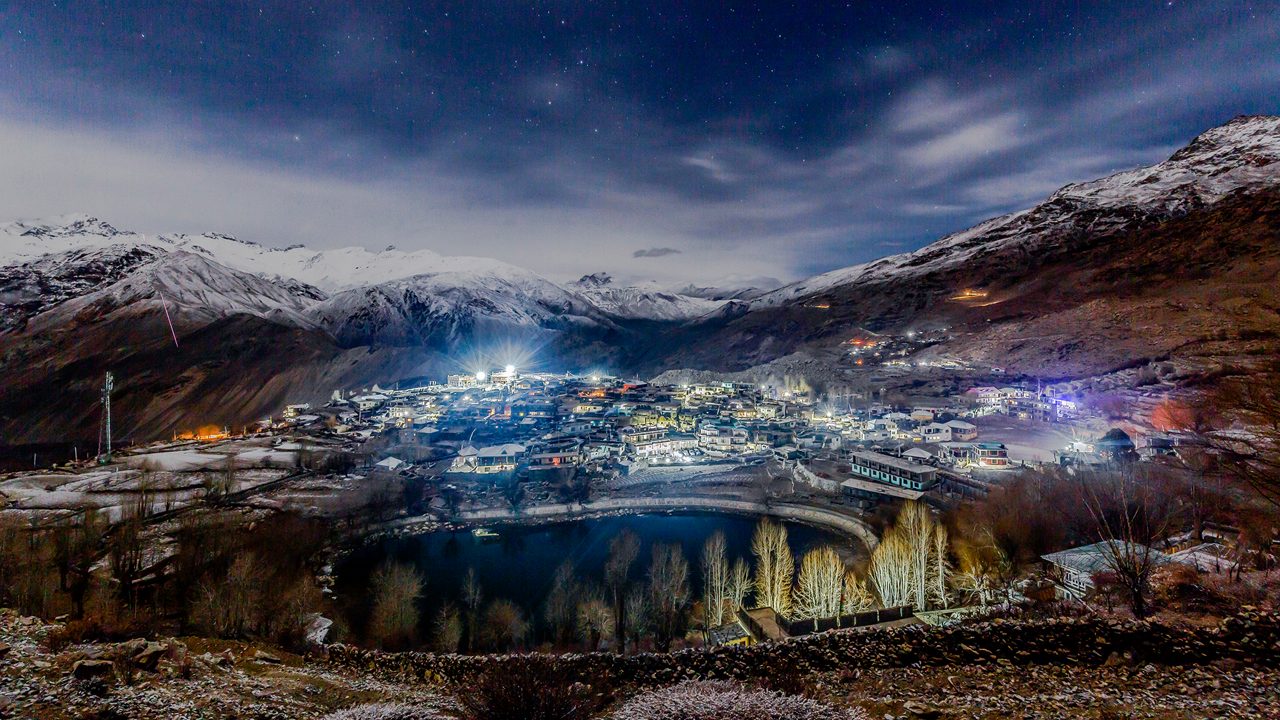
(266, 657)
(149, 655)
(87, 669)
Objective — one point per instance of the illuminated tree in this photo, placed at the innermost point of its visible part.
(774, 567)
(855, 596)
(740, 584)
(595, 620)
(890, 569)
(939, 567)
(819, 585)
(715, 580)
(915, 524)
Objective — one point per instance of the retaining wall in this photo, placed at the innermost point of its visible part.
(1249, 637)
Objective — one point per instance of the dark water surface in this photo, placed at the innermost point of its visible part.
(519, 565)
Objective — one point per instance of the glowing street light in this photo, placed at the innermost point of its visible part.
(511, 369)
(481, 376)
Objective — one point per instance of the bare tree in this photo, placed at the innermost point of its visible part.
(227, 606)
(855, 596)
(561, 603)
(774, 566)
(668, 592)
(448, 629)
(76, 545)
(639, 615)
(595, 620)
(739, 585)
(1131, 512)
(1250, 450)
(505, 626)
(891, 569)
(819, 585)
(623, 549)
(126, 548)
(397, 587)
(715, 580)
(939, 568)
(472, 598)
(985, 572)
(916, 525)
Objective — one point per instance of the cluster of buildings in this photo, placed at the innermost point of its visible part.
(507, 422)
(1047, 403)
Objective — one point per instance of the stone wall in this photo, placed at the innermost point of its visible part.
(1251, 637)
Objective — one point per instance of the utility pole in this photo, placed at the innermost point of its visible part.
(107, 386)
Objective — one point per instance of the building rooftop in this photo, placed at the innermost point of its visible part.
(882, 488)
(890, 461)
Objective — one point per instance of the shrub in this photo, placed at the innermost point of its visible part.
(389, 711)
(527, 688)
(723, 700)
(95, 630)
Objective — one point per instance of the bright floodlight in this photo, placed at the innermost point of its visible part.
(511, 369)
(595, 378)
(480, 376)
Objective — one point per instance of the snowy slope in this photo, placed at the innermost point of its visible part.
(469, 286)
(27, 289)
(1240, 154)
(445, 308)
(647, 301)
(194, 290)
(330, 270)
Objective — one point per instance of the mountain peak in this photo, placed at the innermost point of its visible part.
(1243, 133)
(594, 280)
(67, 225)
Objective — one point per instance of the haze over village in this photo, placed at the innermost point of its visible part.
(699, 361)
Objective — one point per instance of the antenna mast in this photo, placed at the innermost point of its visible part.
(107, 386)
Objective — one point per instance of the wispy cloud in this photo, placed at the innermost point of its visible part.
(655, 252)
(517, 135)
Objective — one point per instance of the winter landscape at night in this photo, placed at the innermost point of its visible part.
(694, 361)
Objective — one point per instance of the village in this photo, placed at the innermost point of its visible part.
(490, 427)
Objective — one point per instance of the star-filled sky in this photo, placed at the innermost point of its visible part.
(666, 139)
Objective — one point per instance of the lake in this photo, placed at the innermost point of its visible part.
(520, 563)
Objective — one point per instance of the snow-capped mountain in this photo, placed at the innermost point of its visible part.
(421, 284)
(446, 308)
(732, 287)
(1243, 153)
(191, 289)
(329, 270)
(647, 301)
(27, 289)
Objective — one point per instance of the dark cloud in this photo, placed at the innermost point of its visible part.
(760, 138)
(655, 252)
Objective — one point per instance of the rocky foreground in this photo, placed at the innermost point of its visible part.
(1075, 669)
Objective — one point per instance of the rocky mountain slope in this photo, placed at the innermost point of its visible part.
(1135, 265)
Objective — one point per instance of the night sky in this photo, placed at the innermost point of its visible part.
(667, 140)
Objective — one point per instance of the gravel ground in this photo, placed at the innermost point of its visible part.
(198, 678)
(220, 680)
(1061, 691)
